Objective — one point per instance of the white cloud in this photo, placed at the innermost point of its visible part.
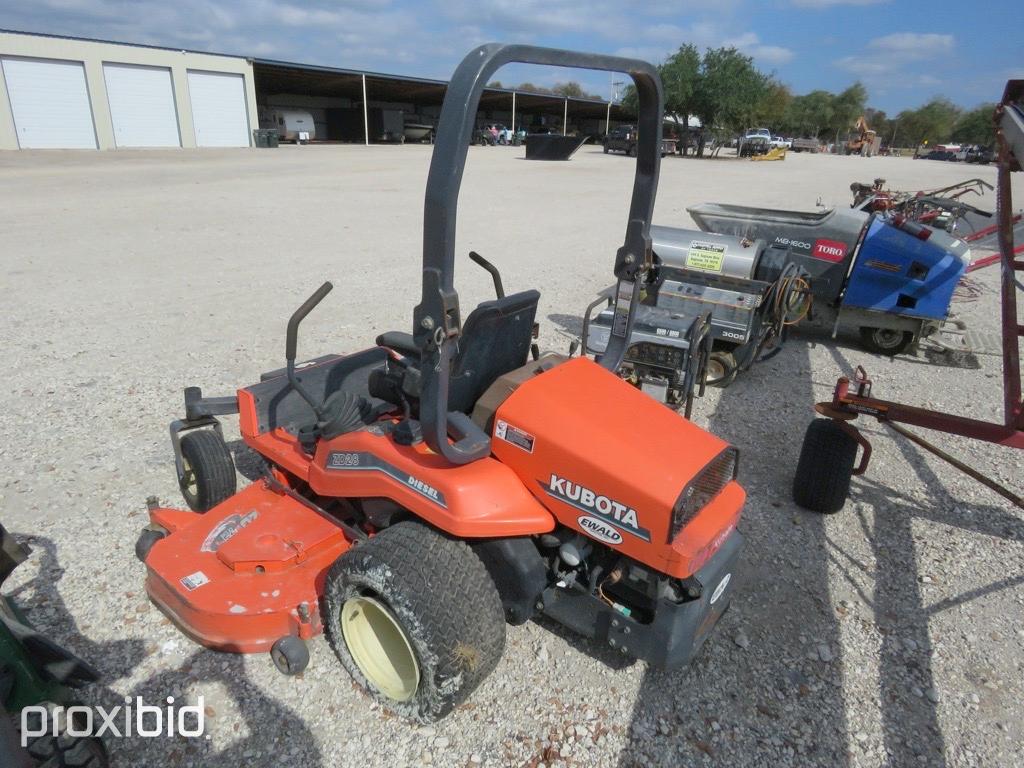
(914, 45)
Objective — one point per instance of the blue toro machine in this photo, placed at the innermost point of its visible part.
(889, 278)
(722, 297)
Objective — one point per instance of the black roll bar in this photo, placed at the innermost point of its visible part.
(436, 321)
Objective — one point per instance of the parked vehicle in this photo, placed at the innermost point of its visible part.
(418, 132)
(754, 144)
(622, 138)
(805, 145)
(778, 142)
(291, 124)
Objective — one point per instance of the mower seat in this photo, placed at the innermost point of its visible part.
(495, 339)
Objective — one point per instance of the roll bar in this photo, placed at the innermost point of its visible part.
(436, 321)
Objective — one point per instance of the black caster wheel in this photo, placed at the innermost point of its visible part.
(290, 655)
(150, 535)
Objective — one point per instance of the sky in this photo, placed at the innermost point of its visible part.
(904, 51)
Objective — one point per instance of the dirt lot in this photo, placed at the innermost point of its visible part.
(889, 634)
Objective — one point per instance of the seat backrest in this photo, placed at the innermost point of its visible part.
(495, 340)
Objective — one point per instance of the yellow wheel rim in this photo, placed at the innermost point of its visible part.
(380, 648)
(191, 481)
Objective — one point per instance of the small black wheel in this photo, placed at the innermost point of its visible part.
(290, 655)
(632, 150)
(822, 479)
(721, 369)
(150, 535)
(885, 341)
(606, 149)
(208, 475)
(415, 619)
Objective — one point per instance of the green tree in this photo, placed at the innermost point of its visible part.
(976, 126)
(729, 92)
(573, 90)
(773, 107)
(680, 78)
(847, 107)
(811, 114)
(932, 123)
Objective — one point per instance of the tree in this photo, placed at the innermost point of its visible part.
(846, 108)
(573, 90)
(811, 114)
(932, 123)
(729, 92)
(976, 127)
(774, 105)
(680, 78)
(495, 84)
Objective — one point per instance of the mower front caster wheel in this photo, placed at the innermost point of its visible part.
(150, 535)
(822, 480)
(415, 619)
(208, 471)
(290, 655)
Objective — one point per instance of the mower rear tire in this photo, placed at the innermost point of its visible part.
(822, 479)
(209, 471)
(415, 619)
(885, 341)
(290, 655)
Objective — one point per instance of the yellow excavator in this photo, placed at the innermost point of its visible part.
(865, 142)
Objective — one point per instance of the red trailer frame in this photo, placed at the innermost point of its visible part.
(846, 405)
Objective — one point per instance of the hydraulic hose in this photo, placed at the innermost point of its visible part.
(788, 301)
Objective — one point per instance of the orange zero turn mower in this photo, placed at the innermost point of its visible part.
(420, 494)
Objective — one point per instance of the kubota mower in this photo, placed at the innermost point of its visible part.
(421, 493)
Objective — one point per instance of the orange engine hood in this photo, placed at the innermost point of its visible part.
(592, 447)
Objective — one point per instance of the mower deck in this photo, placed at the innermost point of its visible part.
(246, 573)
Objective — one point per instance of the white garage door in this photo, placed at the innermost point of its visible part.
(50, 102)
(218, 109)
(141, 106)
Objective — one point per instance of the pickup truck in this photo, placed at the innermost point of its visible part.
(622, 138)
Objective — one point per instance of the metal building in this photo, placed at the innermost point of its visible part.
(58, 92)
(69, 93)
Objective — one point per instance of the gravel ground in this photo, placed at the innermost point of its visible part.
(888, 634)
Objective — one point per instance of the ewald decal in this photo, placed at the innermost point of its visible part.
(603, 508)
(599, 529)
(361, 461)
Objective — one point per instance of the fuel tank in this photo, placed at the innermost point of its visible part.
(612, 463)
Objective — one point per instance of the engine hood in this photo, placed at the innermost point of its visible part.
(604, 457)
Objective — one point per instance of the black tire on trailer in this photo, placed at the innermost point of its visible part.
(721, 369)
(632, 150)
(415, 619)
(822, 479)
(209, 471)
(885, 341)
(606, 149)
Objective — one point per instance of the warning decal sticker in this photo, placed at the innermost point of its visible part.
(195, 580)
(705, 256)
(518, 437)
